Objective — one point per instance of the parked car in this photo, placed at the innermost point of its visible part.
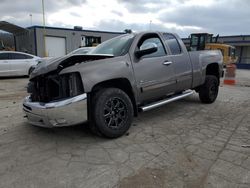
(118, 79)
(16, 63)
(82, 50)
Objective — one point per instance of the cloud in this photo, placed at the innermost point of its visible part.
(18, 12)
(114, 25)
(225, 17)
(120, 14)
(144, 6)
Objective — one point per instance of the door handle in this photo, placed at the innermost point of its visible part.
(167, 63)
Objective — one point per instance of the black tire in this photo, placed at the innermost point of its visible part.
(112, 113)
(208, 92)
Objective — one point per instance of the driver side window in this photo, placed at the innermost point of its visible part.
(155, 40)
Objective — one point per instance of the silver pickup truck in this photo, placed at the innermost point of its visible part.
(118, 79)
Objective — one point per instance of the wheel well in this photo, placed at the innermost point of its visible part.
(213, 69)
(30, 70)
(121, 83)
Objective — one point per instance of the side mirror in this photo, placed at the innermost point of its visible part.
(148, 48)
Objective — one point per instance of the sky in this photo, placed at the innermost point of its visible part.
(223, 17)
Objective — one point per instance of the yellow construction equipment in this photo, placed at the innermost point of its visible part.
(205, 41)
(227, 51)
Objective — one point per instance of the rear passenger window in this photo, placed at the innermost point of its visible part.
(28, 57)
(18, 56)
(4, 56)
(172, 43)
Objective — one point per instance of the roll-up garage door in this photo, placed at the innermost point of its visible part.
(55, 46)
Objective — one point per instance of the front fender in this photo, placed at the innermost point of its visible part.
(98, 71)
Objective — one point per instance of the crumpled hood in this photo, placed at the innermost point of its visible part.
(48, 65)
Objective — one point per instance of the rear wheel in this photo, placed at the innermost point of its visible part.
(208, 92)
(113, 112)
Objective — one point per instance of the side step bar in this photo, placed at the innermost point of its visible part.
(166, 101)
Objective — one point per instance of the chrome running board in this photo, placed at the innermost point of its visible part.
(166, 101)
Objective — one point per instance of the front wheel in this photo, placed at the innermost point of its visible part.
(113, 112)
(208, 92)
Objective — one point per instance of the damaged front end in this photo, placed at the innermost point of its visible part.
(56, 100)
(54, 87)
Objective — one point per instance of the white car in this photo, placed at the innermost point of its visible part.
(17, 63)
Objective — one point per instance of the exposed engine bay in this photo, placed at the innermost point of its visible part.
(52, 86)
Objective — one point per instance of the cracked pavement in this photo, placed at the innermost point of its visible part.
(182, 144)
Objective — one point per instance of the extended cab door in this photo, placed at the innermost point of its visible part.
(153, 72)
(181, 62)
(5, 68)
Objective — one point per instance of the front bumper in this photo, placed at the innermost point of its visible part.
(65, 112)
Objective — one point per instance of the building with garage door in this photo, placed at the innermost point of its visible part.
(59, 41)
(56, 41)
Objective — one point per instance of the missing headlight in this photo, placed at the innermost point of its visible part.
(55, 87)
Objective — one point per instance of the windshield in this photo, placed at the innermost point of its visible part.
(117, 46)
(83, 50)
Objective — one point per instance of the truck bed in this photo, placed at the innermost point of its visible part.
(200, 60)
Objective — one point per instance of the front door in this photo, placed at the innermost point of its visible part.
(154, 72)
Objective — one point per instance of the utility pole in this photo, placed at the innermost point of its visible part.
(44, 31)
(30, 19)
(150, 23)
